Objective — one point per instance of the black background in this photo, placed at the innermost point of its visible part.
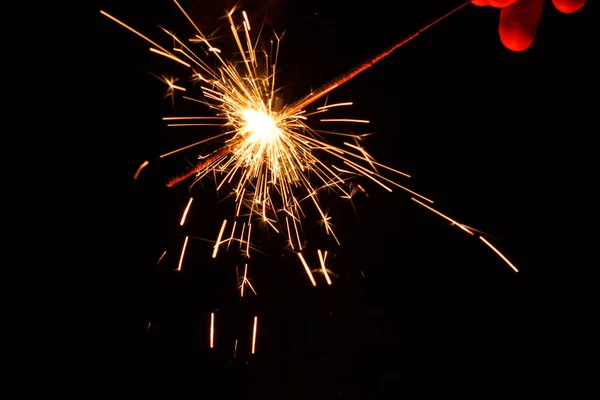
(500, 140)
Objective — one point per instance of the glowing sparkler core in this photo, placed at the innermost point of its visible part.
(261, 129)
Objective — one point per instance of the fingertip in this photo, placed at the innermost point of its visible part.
(501, 3)
(515, 41)
(518, 24)
(480, 3)
(568, 6)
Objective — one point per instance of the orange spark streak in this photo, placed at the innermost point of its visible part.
(461, 226)
(348, 103)
(212, 329)
(182, 253)
(187, 208)
(244, 280)
(498, 252)
(358, 121)
(218, 242)
(328, 87)
(182, 118)
(137, 173)
(161, 257)
(254, 334)
(322, 259)
(310, 275)
(172, 57)
(140, 35)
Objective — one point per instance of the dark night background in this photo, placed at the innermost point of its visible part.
(501, 141)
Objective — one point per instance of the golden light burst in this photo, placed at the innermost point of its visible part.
(268, 156)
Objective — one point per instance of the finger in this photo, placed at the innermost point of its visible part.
(494, 3)
(501, 3)
(518, 24)
(568, 6)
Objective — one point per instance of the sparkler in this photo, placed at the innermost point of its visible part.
(268, 155)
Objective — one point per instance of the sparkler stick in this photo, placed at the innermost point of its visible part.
(207, 162)
(336, 82)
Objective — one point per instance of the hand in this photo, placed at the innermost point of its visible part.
(519, 19)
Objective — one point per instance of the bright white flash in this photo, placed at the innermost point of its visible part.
(260, 127)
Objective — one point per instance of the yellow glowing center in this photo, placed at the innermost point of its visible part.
(260, 127)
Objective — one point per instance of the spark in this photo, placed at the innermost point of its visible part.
(322, 258)
(212, 329)
(254, 334)
(348, 103)
(268, 154)
(498, 253)
(137, 173)
(469, 231)
(218, 242)
(359, 121)
(461, 226)
(182, 253)
(185, 212)
(245, 281)
(161, 257)
(235, 349)
(172, 57)
(308, 272)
